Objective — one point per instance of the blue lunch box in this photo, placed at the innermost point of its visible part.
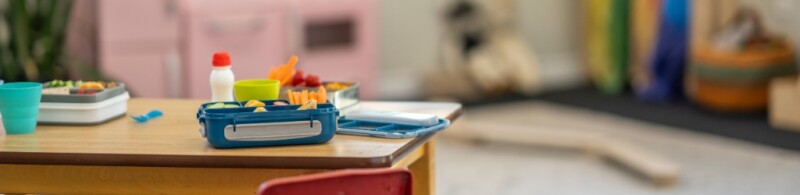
(280, 125)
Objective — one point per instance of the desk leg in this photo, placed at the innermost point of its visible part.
(423, 170)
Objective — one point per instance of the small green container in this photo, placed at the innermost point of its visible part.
(256, 89)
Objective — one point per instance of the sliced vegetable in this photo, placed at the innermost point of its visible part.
(283, 73)
(322, 95)
(312, 96)
(290, 95)
(273, 73)
(304, 97)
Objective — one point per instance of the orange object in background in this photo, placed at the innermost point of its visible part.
(737, 81)
(730, 97)
(283, 73)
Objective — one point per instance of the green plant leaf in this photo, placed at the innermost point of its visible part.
(20, 32)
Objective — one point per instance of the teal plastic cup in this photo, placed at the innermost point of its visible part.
(19, 105)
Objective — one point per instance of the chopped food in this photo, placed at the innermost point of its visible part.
(260, 109)
(336, 86)
(298, 78)
(305, 96)
(216, 105)
(311, 104)
(92, 85)
(312, 80)
(312, 96)
(288, 76)
(254, 103)
(284, 73)
(322, 95)
(297, 98)
(81, 84)
(56, 91)
(221, 105)
(277, 103)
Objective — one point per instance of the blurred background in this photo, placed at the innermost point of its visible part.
(561, 96)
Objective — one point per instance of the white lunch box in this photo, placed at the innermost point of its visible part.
(83, 113)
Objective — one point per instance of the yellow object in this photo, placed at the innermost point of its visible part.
(313, 96)
(297, 98)
(322, 95)
(336, 86)
(260, 109)
(91, 85)
(254, 103)
(273, 73)
(290, 96)
(256, 89)
(284, 72)
(304, 97)
(598, 55)
(311, 104)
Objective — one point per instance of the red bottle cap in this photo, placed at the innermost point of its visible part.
(221, 59)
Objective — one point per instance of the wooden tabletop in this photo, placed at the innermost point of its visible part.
(174, 141)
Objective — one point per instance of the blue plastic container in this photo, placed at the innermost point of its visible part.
(387, 130)
(280, 125)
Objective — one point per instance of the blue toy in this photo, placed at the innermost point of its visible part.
(671, 53)
(145, 117)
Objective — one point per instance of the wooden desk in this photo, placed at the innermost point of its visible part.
(168, 155)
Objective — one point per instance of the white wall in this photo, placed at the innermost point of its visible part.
(409, 39)
(410, 34)
(780, 16)
(551, 28)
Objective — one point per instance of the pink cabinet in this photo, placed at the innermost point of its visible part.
(163, 48)
(253, 32)
(135, 40)
(337, 40)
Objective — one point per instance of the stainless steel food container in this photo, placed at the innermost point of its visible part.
(345, 99)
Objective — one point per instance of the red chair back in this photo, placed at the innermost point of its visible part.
(350, 182)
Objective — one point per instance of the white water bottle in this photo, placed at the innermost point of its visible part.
(221, 78)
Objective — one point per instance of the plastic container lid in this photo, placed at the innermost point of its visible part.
(221, 59)
(85, 98)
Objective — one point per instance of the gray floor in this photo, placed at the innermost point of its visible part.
(709, 164)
